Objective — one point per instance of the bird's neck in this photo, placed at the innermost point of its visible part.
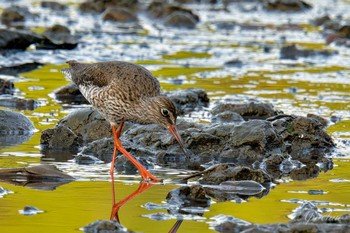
(143, 111)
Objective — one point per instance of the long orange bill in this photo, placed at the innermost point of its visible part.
(175, 133)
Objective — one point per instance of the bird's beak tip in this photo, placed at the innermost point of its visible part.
(173, 130)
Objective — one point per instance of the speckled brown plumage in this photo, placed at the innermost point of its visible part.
(124, 91)
(121, 90)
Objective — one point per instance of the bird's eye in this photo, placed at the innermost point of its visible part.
(164, 112)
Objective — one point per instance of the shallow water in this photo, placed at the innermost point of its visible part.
(182, 59)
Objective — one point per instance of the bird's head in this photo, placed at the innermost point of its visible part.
(164, 113)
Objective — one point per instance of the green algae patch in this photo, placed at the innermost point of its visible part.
(340, 127)
(322, 69)
(186, 55)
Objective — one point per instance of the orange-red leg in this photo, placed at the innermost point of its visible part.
(146, 175)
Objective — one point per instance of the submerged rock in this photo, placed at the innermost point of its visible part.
(17, 40)
(306, 219)
(286, 5)
(98, 6)
(19, 68)
(173, 15)
(30, 210)
(55, 6)
(14, 15)
(14, 123)
(58, 37)
(119, 14)
(293, 52)
(18, 102)
(6, 86)
(106, 226)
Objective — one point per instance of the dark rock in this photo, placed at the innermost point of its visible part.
(180, 20)
(161, 9)
(252, 110)
(18, 102)
(306, 172)
(286, 5)
(43, 177)
(70, 94)
(235, 190)
(59, 138)
(104, 226)
(14, 15)
(55, 6)
(292, 52)
(344, 32)
(120, 14)
(17, 40)
(306, 219)
(98, 6)
(58, 37)
(6, 86)
(15, 128)
(189, 100)
(188, 196)
(15, 123)
(87, 124)
(228, 172)
(305, 138)
(30, 210)
(21, 68)
(227, 117)
(234, 63)
(319, 21)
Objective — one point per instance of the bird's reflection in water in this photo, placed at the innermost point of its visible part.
(143, 186)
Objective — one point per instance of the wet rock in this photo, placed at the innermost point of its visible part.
(305, 219)
(228, 172)
(14, 15)
(234, 63)
(188, 196)
(180, 20)
(344, 32)
(322, 20)
(6, 86)
(43, 177)
(18, 102)
(12, 123)
(4, 192)
(306, 172)
(70, 94)
(120, 14)
(98, 6)
(227, 117)
(305, 138)
(17, 40)
(189, 100)
(87, 124)
(55, 6)
(30, 210)
(15, 128)
(175, 16)
(236, 190)
(19, 68)
(59, 138)
(293, 52)
(252, 110)
(105, 226)
(286, 5)
(58, 37)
